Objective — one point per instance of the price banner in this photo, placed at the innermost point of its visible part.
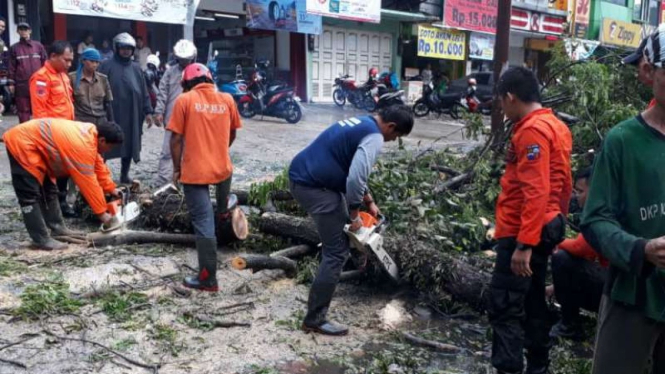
(475, 15)
(442, 44)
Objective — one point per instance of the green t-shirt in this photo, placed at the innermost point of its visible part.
(626, 207)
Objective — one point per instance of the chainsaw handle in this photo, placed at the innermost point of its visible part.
(382, 223)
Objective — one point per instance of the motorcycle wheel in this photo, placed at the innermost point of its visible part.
(369, 104)
(338, 97)
(457, 111)
(293, 113)
(246, 110)
(420, 108)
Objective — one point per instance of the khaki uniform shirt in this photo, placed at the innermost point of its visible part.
(90, 96)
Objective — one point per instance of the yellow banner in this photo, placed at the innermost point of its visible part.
(620, 33)
(440, 43)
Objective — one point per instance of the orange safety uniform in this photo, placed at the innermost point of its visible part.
(205, 118)
(58, 148)
(579, 247)
(537, 184)
(51, 94)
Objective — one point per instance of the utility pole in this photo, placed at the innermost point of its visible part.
(501, 50)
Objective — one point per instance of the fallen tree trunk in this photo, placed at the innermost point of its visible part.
(257, 263)
(122, 237)
(433, 272)
(299, 229)
(294, 252)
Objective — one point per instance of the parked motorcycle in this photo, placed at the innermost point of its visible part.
(237, 89)
(381, 97)
(347, 90)
(273, 101)
(436, 102)
(7, 97)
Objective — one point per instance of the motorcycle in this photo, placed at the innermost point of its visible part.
(237, 89)
(5, 94)
(472, 104)
(273, 101)
(381, 97)
(347, 90)
(434, 101)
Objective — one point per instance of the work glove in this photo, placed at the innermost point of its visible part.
(113, 224)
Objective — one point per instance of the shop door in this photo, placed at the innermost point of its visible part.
(354, 52)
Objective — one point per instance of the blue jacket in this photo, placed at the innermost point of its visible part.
(326, 162)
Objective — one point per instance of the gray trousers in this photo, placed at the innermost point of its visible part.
(628, 342)
(328, 209)
(165, 167)
(197, 197)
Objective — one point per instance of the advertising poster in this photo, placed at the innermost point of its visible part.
(354, 10)
(619, 33)
(475, 15)
(580, 49)
(287, 15)
(440, 43)
(481, 46)
(164, 11)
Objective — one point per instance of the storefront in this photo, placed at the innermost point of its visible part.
(227, 33)
(533, 34)
(351, 48)
(73, 21)
(481, 52)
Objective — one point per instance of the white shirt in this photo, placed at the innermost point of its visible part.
(141, 56)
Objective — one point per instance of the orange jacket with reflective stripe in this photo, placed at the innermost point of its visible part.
(57, 148)
(579, 247)
(537, 184)
(51, 94)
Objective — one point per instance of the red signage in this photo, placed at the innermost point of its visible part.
(527, 20)
(662, 12)
(476, 15)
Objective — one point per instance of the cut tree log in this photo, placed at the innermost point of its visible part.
(233, 229)
(435, 273)
(295, 251)
(301, 230)
(122, 237)
(257, 263)
(168, 213)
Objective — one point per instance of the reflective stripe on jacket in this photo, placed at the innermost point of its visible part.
(57, 148)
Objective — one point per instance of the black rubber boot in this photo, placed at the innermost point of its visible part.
(207, 278)
(126, 162)
(34, 223)
(53, 215)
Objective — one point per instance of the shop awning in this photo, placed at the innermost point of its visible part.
(396, 15)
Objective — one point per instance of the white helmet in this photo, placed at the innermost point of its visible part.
(124, 39)
(153, 59)
(184, 49)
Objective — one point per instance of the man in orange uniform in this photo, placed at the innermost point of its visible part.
(41, 150)
(51, 91)
(536, 189)
(52, 96)
(579, 274)
(204, 122)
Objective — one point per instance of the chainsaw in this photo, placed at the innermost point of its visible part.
(122, 209)
(368, 239)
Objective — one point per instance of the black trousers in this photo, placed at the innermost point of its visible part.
(518, 311)
(27, 188)
(578, 284)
